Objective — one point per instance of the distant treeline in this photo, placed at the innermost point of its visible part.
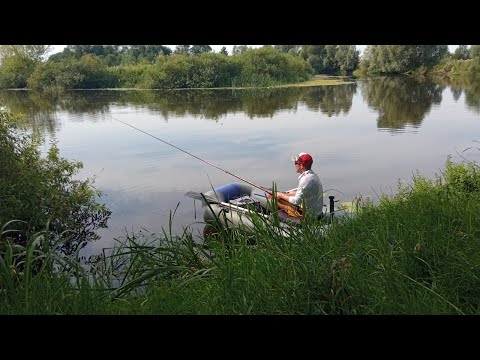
(196, 66)
(418, 59)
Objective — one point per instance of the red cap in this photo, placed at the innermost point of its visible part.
(303, 158)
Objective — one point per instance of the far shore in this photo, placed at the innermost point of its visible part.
(318, 80)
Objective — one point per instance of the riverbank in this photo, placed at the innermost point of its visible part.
(317, 80)
(322, 80)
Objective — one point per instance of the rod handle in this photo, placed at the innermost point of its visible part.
(332, 205)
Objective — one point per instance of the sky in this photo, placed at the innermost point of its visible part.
(217, 48)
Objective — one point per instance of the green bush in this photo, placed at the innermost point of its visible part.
(40, 190)
(14, 72)
(128, 76)
(87, 72)
(462, 178)
(267, 66)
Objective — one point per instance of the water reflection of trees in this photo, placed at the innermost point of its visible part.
(472, 96)
(208, 104)
(400, 101)
(36, 103)
(456, 92)
(213, 104)
(470, 87)
(39, 109)
(331, 100)
(86, 102)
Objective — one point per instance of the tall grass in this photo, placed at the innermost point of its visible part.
(418, 252)
(38, 279)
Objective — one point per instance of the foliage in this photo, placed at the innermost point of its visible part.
(290, 49)
(90, 66)
(79, 51)
(114, 55)
(463, 178)
(224, 51)
(461, 53)
(475, 52)
(257, 67)
(399, 59)
(33, 52)
(129, 76)
(134, 54)
(17, 62)
(182, 50)
(148, 66)
(239, 49)
(42, 191)
(267, 66)
(452, 70)
(35, 278)
(331, 59)
(347, 58)
(183, 71)
(88, 72)
(14, 72)
(200, 49)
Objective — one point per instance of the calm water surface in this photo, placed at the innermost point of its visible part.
(363, 137)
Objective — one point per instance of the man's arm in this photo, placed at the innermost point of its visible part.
(286, 195)
(284, 201)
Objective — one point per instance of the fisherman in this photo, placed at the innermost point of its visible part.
(309, 192)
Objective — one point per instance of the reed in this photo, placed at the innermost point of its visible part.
(36, 278)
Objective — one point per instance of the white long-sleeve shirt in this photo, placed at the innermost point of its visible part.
(310, 187)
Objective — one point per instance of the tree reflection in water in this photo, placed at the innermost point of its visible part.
(400, 101)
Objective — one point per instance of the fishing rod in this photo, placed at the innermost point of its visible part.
(196, 157)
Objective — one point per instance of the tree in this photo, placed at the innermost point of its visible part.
(475, 52)
(148, 53)
(60, 56)
(182, 49)
(347, 57)
(224, 51)
(284, 48)
(17, 62)
(110, 55)
(398, 59)
(79, 50)
(239, 49)
(461, 53)
(330, 64)
(289, 49)
(328, 59)
(198, 49)
(314, 55)
(43, 191)
(32, 52)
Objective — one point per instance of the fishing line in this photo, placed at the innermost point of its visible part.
(196, 157)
